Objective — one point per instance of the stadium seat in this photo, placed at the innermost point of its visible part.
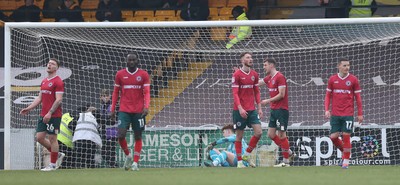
(226, 11)
(165, 13)
(39, 3)
(140, 19)
(91, 5)
(126, 14)
(216, 3)
(221, 18)
(165, 18)
(91, 19)
(7, 5)
(19, 3)
(213, 12)
(48, 20)
(218, 33)
(144, 13)
(88, 14)
(233, 3)
(8, 13)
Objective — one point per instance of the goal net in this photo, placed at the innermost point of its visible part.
(191, 85)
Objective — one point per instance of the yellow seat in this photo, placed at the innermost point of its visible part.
(8, 13)
(144, 13)
(218, 33)
(165, 18)
(221, 18)
(160, 18)
(140, 19)
(216, 3)
(19, 3)
(226, 11)
(7, 5)
(126, 14)
(165, 13)
(91, 5)
(48, 20)
(88, 14)
(233, 3)
(214, 12)
(39, 3)
(91, 19)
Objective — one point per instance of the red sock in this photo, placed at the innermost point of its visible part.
(338, 143)
(53, 157)
(138, 149)
(346, 147)
(124, 146)
(252, 144)
(238, 147)
(285, 147)
(277, 140)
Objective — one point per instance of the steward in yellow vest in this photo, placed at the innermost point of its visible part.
(362, 12)
(64, 138)
(65, 135)
(238, 33)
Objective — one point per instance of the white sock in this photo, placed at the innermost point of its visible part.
(286, 160)
(215, 163)
(346, 161)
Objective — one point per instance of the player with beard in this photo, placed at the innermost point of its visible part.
(245, 94)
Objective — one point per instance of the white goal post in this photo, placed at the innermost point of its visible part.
(191, 71)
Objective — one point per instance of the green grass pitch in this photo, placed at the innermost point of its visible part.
(356, 175)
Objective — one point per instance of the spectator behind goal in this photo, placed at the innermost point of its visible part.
(195, 10)
(108, 10)
(69, 11)
(26, 13)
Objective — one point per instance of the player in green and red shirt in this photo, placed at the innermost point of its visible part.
(134, 85)
(342, 88)
(50, 96)
(245, 94)
(279, 104)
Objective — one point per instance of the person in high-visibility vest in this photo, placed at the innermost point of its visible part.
(238, 33)
(64, 138)
(362, 12)
(86, 138)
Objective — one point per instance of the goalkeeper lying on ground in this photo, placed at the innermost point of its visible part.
(225, 158)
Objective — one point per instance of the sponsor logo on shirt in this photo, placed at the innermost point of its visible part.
(342, 91)
(272, 89)
(132, 86)
(246, 86)
(45, 92)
